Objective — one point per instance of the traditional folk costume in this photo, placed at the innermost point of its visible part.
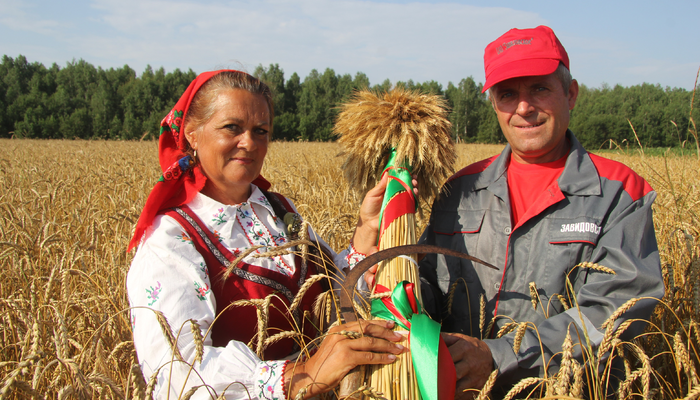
(185, 242)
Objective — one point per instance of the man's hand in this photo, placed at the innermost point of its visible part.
(473, 363)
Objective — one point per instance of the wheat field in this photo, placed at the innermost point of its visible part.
(68, 209)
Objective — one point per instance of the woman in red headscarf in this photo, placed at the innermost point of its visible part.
(210, 205)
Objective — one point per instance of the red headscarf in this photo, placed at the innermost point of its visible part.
(181, 179)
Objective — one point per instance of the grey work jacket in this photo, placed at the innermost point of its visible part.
(598, 211)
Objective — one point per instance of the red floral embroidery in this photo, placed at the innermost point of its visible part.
(173, 121)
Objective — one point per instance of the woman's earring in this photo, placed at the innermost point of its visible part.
(195, 153)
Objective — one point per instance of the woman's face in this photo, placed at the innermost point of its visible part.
(232, 145)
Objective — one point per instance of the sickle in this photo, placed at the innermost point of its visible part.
(349, 385)
(346, 304)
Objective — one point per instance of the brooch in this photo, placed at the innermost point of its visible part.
(293, 222)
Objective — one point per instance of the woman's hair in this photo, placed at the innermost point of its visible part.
(203, 104)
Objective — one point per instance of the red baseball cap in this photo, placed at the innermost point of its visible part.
(523, 52)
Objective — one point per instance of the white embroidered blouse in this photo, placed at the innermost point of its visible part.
(169, 275)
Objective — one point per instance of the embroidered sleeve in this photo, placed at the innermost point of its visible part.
(269, 382)
(353, 256)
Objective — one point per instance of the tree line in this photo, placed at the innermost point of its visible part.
(88, 102)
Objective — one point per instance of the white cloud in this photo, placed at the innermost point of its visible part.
(400, 41)
(17, 15)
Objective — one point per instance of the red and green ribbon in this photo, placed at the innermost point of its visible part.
(435, 371)
(399, 198)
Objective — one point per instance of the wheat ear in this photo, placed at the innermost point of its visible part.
(283, 249)
(282, 335)
(198, 341)
(304, 288)
(137, 383)
(520, 386)
(506, 329)
(234, 264)
(564, 375)
(644, 372)
(595, 267)
(577, 387)
(165, 328)
(188, 395)
(682, 358)
(563, 301)
(621, 310)
(489, 328)
(534, 296)
(482, 313)
(451, 297)
(611, 334)
(519, 334)
(693, 394)
(484, 393)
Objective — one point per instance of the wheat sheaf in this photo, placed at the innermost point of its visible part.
(414, 124)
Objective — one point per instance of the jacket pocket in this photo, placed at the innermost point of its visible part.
(459, 232)
(572, 241)
(459, 222)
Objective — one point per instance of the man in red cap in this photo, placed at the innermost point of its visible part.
(537, 211)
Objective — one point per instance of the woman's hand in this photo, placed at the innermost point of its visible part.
(365, 237)
(339, 354)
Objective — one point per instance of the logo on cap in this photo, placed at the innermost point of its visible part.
(507, 45)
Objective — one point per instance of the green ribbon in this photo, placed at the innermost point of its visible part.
(424, 337)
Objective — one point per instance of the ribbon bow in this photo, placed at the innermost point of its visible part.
(435, 371)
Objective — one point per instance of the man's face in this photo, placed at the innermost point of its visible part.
(533, 112)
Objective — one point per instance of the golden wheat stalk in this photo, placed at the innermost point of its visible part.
(198, 339)
(595, 267)
(137, 383)
(644, 372)
(519, 335)
(488, 386)
(534, 296)
(577, 386)
(563, 378)
(506, 329)
(522, 385)
(693, 394)
(683, 361)
(621, 310)
(482, 315)
(168, 334)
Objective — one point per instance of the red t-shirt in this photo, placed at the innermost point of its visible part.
(527, 181)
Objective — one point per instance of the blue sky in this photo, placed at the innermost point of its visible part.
(613, 42)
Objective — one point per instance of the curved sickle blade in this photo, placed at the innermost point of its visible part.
(346, 306)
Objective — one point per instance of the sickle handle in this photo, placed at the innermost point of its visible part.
(353, 380)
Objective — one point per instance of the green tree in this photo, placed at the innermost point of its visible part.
(284, 126)
(467, 103)
(383, 87)
(317, 105)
